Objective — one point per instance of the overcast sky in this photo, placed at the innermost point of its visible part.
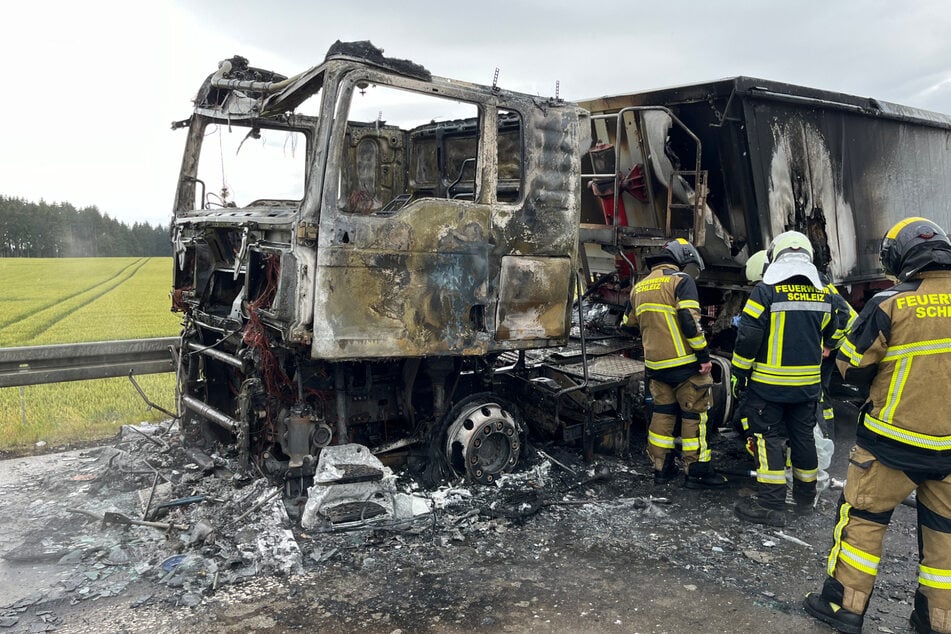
(91, 87)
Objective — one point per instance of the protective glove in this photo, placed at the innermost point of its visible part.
(738, 384)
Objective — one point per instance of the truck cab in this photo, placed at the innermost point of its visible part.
(356, 244)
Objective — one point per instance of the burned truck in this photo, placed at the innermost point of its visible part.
(367, 253)
(364, 251)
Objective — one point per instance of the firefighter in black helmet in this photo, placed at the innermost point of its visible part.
(666, 307)
(787, 323)
(899, 346)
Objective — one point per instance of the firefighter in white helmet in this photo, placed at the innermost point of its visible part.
(756, 266)
(666, 308)
(845, 317)
(900, 347)
(785, 326)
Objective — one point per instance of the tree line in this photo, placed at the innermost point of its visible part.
(59, 230)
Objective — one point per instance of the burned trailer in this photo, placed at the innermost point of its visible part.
(363, 252)
(732, 163)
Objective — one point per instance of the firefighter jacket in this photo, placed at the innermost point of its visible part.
(666, 307)
(782, 331)
(900, 347)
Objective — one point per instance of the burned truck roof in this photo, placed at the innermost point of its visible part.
(237, 90)
(731, 88)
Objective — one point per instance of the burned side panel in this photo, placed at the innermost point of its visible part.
(533, 298)
(535, 292)
(844, 177)
(411, 286)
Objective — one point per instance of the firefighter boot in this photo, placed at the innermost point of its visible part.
(804, 495)
(668, 472)
(700, 475)
(750, 510)
(833, 614)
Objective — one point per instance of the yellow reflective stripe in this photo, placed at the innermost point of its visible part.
(805, 475)
(793, 375)
(753, 309)
(704, 455)
(745, 423)
(789, 370)
(743, 363)
(837, 537)
(690, 444)
(650, 307)
(895, 388)
(761, 461)
(893, 233)
(688, 303)
(774, 355)
(931, 346)
(667, 442)
(828, 413)
(908, 437)
(674, 329)
(771, 477)
(859, 559)
(670, 363)
(697, 343)
(789, 381)
(850, 353)
(763, 473)
(934, 577)
(624, 319)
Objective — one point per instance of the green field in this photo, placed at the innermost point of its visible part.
(69, 300)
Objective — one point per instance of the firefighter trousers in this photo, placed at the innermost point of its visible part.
(871, 494)
(772, 424)
(690, 400)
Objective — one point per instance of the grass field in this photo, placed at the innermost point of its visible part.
(69, 300)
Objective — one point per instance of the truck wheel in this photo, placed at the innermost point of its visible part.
(483, 438)
(719, 415)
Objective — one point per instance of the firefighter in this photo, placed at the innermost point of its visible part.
(785, 327)
(755, 267)
(844, 315)
(899, 346)
(666, 307)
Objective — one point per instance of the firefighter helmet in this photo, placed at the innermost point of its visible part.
(683, 254)
(788, 242)
(755, 265)
(903, 238)
(790, 255)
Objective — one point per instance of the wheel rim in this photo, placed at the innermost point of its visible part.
(483, 442)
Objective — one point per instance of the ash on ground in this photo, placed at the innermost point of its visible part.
(145, 535)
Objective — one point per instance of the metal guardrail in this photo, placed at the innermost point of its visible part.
(35, 365)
